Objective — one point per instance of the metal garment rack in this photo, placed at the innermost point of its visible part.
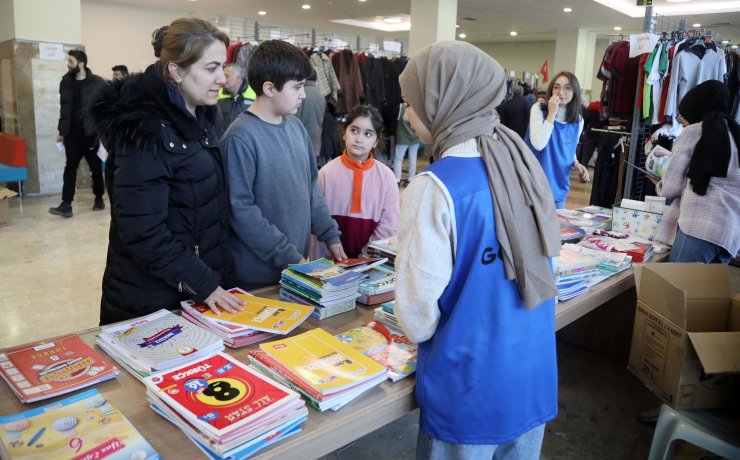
(634, 178)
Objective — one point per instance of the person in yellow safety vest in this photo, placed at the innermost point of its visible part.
(235, 96)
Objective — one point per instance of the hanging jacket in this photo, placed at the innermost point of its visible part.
(168, 238)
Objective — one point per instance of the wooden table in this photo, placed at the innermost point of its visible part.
(322, 432)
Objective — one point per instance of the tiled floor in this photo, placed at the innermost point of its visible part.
(50, 275)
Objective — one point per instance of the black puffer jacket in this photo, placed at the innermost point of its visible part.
(90, 86)
(168, 237)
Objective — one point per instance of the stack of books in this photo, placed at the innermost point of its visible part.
(639, 249)
(260, 319)
(327, 288)
(611, 262)
(574, 266)
(82, 426)
(325, 371)
(585, 220)
(385, 345)
(384, 248)
(385, 313)
(156, 342)
(53, 367)
(361, 264)
(569, 289)
(227, 409)
(379, 286)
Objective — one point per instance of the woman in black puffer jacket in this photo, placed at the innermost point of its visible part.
(168, 237)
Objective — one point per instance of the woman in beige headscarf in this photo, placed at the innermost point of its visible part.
(475, 287)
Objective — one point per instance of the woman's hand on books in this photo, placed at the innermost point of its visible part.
(220, 299)
(337, 251)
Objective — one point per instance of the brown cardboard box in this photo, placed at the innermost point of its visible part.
(5, 194)
(686, 336)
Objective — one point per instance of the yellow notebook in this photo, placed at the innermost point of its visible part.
(323, 361)
(263, 314)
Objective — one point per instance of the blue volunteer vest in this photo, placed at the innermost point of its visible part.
(489, 372)
(557, 157)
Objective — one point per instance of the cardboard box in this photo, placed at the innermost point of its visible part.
(636, 222)
(5, 194)
(686, 337)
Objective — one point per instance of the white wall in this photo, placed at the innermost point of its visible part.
(521, 56)
(7, 20)
(118, 34)
(48, 21)
(529, 56)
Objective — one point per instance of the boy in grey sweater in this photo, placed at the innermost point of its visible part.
(271, 173)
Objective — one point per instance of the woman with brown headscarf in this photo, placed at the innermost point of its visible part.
(475, 286)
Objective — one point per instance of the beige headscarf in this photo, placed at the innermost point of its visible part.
(454, 87)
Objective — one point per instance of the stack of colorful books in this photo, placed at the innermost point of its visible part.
(574, 266)
(325, 371)
(320, 284)
(384, 248)
(156, 342)
(385, 313)
(386, 345)
(379, 286)
(53, 367)
(227, 409)
(260, 319)
(82, 426)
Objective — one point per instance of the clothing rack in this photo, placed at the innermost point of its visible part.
(634, 178)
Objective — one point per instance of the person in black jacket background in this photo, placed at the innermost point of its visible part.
(77, 87)
(169, 212)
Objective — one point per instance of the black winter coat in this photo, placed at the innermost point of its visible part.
(168, 238)
(90, 86)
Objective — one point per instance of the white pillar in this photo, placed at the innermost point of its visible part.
(431, 21)
(574, 52)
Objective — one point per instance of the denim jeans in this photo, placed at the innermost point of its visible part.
(689, 249)
(525, 447)
(398, 160)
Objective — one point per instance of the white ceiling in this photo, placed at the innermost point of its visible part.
(480, 20)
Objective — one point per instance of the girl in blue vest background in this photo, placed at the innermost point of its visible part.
(554, 130)
(475, 288)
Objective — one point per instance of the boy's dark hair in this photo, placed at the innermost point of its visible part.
(367, 111)
(278, 62)
(120, 68)
(79, 55)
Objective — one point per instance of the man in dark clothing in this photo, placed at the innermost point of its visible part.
(514, 113)
(234, 98)
(75, 90)
(119, 71)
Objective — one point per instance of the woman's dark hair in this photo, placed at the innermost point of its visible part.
(573, 110)
(184, 41)
(278, 62)
(368, 111)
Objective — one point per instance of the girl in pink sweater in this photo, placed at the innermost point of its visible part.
(361, 193)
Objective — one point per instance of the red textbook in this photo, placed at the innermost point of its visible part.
(220, 395)
(53, 367)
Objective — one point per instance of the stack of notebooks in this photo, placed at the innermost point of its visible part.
(325, 371)
(585, 220)
(81, 426)
(640, 250)
(327, 288)
(385, 343)
(379, 286)
(361, 264)
(227, 409)
(384, 248)
(260, 319)
(569, 289)
(53, 367)
(385, 313)
(574, 266)
(611, 262)
(156, 342)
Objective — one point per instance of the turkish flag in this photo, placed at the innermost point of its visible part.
(543, 71)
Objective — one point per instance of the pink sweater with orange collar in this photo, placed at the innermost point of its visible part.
(380, 209)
